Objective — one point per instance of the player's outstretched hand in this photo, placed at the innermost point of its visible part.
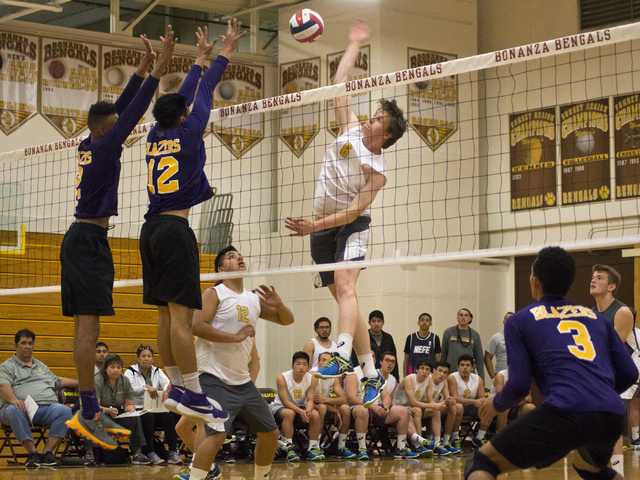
(168, 45)
(232, 38)
(204, 48)
(269, 295)
(359, 31)
(299, 226)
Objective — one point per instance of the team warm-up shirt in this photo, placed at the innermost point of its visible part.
(176, 156)
(230, 361)
(418, 347)
(574, 355)
(341, 177)
(99, 160)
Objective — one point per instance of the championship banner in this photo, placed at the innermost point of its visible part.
(239, 84)
(532, 137)
(299, 125)
(360, 103)
(118, 66)
(433, 103)
(174, 75)
(69, 84)
(584, 146)
(626, 117)
(18, 80)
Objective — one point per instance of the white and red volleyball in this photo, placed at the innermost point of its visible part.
(306, 26)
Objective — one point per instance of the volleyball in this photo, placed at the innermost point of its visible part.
(306, 26)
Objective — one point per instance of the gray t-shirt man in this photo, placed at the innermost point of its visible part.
(498, 349)
(36, 381)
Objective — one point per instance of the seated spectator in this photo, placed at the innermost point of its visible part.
(461, 339)
(381, 341)
(468, 389)
(293, 407)
(446, 403)
(102, 350)
(20, 376)
(381, 414)
(414, 393)
(331, 403)
(115, 396)
(321, 342)
(144, 377)
(420, 344)
(496, 349)
(522, 408)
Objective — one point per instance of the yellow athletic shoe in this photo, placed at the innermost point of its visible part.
(93, 430)
(114, 429)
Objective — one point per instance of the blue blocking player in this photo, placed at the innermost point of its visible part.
(87, 265)
(580, 367)
(168, 247)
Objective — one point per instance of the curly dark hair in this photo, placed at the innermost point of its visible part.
(397, 124)
(556, 270)
(169, 108)
(98, 112)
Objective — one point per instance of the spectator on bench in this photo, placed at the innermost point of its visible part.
(321, 343)
(522, 408)
(20, 376)
(102, 350)
(380, 414)
(331, 403)
(293, 407)
(446, 403)
(144, 377)
(115, 396)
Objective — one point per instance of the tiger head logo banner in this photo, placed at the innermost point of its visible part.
(239, 84)
(69, 84)
(18, 80)
(433, 104)
(299, 125)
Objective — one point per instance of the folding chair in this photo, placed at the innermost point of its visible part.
(12, 442)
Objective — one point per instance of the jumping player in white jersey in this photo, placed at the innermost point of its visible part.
(353, 172)
(225, 329)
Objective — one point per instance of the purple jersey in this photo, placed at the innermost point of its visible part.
(176, 156)
(574, 355)
(99, 160)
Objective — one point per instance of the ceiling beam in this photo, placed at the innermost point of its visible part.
(259, 7)
(141, 14)
(34, 8)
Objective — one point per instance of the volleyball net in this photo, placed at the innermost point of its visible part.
(506, 152)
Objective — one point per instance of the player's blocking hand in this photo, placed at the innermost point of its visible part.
(232, 38)
(299, 226)
(204, 48)
(359, 31)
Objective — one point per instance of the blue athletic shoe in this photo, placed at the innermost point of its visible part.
(478, 443)
(316, 454)
(173, 400)
(404, 453)
(362, 454)
(372, 389)
(442, 451)
(345, 453)
(335, 367)
(184, 474)
(451, 446)
(200, 409)
(292, 457)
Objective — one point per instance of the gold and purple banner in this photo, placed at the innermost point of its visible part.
(532, 138)
(360, 103)
(240, 84)
(299, 125)
(18, 80)
(584, 147)
(69, 84)
(626, 118)
(433, 103)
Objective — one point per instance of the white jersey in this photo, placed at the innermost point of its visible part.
(419, 392)
(318, 349)
(341, 177)
(297, 392)
(390, 386)
(632, 342)
(467, 389)
(229, 361)
(359, 375)
(436, 391)
(505, 374)
(325, 387)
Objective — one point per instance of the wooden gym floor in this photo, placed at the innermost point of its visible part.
(431, 469)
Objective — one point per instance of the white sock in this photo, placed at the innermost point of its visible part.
(617, 463)
(197, 474)
(369, 368)
(362, 440)
(193, 457)
(342, 440)
(402, 442)
(288, 440)
(173, 372)
(261, 472)
(635, 433)
(313, 444)
(481, 434)
(445, 439)
(436, 439)
(345, 342)
(192, 382)
(455, 436)
(416, 440)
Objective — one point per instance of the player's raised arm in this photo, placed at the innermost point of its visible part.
(168, 45)
(147, 59)
(345, 118)
(204, 48)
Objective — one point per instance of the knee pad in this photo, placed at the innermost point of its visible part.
(480, 462)
(606, 473)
